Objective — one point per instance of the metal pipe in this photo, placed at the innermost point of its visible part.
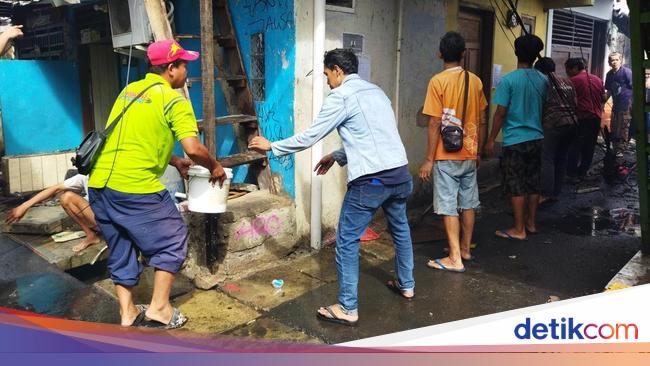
(317, 101)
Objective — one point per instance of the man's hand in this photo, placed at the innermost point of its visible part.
(183, 166)
(324, 164)
(488, 149)
(425, 170)
(15, 214)
(218, 175)
(13, 32)
(259, 144)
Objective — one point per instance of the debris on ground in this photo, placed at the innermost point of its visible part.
(587, 190)
(616, 286)
(277, 283)
(64, 236)
(553, 298)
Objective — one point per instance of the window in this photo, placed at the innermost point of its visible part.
(257, 79)
(346, 6)
(353, 42)
(529, 24)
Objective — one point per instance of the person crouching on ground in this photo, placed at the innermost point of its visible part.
(378, 176)
(520, 98)
(454, 173)
(72, 202)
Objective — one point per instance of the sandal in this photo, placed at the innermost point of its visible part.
(140, 318)
(335, 319)
(393, 285)
(177, 321)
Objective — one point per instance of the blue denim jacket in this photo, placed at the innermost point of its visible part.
(364, 118)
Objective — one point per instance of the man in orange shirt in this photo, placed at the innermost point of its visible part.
(454, 173)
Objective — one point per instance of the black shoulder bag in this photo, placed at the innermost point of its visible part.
(87, 153)
(452, 136)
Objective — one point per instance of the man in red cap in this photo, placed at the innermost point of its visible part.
(133, 210)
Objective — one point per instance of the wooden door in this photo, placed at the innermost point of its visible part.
(469, 26)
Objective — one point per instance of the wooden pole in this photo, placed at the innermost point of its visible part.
(157, 13)
(207, 75)
(160, 27)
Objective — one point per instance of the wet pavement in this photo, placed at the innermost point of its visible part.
(28, 282)
(583, 241)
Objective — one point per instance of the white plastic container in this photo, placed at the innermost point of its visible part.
(202, 196)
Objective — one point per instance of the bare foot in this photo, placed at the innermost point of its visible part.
(88, 241)
(531, 228)
(161, 315)
(466, 255)
(130, 316)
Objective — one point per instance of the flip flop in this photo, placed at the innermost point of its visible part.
(504, 235)
(393, 285)
(529, 232)
(334, 319)
(140, 318)
(443, 267)
(177, 321)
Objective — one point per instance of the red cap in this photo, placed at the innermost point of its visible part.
(164, 52)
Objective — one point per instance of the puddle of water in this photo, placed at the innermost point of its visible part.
(43, 294)
(595, 221)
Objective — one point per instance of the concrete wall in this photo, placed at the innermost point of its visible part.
(377, 22)
(423, 24)
(302, 113)
(41, 106)
(602, 9)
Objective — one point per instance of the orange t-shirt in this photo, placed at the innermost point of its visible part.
(444, 100)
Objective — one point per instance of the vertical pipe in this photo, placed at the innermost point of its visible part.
(398, 61)
(549, 34)
(317, 101)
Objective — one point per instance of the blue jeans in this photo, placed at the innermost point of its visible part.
(359, 206)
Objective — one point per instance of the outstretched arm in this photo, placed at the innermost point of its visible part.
(8, 35)
(18, 212)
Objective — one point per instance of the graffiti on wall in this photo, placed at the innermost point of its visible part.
(267, 225)
(276, 19)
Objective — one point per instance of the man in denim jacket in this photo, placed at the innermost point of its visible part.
(377, 175)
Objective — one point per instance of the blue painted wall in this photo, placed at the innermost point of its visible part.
(276, 18)
(41, 106)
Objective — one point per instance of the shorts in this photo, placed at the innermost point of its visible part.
(620, 125)
(455, 186)
(521, 168)
(139, 223)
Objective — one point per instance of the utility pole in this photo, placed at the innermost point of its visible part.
(207, 75)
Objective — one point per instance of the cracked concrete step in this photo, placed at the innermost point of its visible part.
(61, 254)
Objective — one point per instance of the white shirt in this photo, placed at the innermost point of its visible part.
(77, 184)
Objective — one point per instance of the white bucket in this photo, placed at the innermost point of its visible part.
(202, 196)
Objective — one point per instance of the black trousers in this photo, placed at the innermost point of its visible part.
(555, 151)
(581, 152)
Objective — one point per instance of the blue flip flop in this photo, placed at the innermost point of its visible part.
(504, 235)
(443, 268)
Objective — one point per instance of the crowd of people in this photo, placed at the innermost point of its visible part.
(549, 127)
